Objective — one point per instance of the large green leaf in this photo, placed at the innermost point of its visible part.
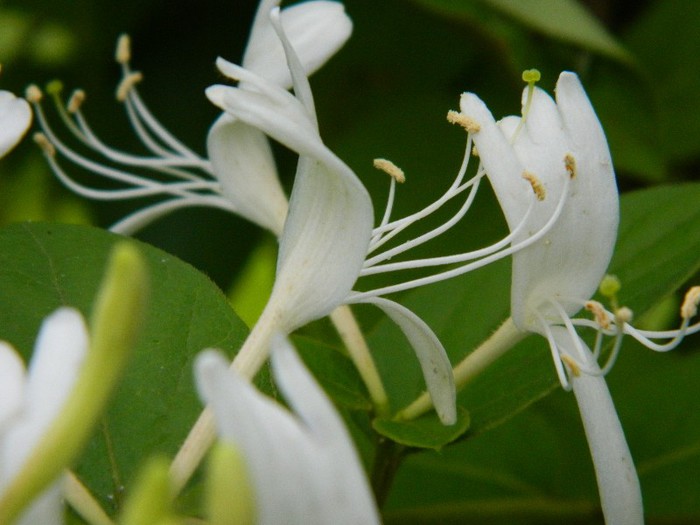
(657, 251)
(44, 266)
(564, 20)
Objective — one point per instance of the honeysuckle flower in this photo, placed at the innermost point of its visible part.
(15, 118)
(240, 175)
(302, 466)
(560, 149)
(31, 400)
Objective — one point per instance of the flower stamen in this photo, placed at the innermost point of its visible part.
(537, 186)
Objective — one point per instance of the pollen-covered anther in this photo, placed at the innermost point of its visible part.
(623, 315)
(536, 184)
(570, 165)
(127, 83)
(390, 169)
(33, 94)
(44, 144)
(123, 52)
(468, 123)
(601, 318)
(572, 364)
(76, 100)
(689, 308)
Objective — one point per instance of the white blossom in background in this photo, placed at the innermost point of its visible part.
(31, 399)
(559, 147)
(301, 462)
(240, 175)
(15, 118)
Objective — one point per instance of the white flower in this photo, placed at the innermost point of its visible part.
(15, 118)
(559, 149)
(561, 146)
(302, 464)
(31, 400)
(240, 175)
(328, 230)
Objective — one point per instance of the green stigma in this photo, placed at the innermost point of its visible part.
(54, 87)
(531, 76)
(609, 286)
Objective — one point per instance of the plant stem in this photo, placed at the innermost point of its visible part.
(83, 502)
(350, 333)
(386, 463)
(502, 340)
(247, 362)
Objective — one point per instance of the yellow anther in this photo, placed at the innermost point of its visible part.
(475, 151)
(531, 76)
(468, 123)
(127, 83)
(609, 286)
(76, 100)
(44, 144)
(536, 184)
(690, 303)
(623, 315)
(390, 169)
(123, 52)
(601, 317)
(570, 165)
(33, 94)
(573, 365)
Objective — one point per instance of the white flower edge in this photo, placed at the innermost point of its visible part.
(303, 466)
(618, 484)
(31, 401)
(15, 118)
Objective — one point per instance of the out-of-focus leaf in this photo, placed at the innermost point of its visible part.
(424, 432)
(667, 43)
(253, 285)
(564, 20)
(44, 266)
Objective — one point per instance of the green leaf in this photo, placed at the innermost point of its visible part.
(425, 432)
(44, 266)
(564, 20)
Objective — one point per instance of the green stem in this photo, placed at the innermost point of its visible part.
(247, 362)
(502, 340)
(84, 503)
(386, 463)
(351, 335)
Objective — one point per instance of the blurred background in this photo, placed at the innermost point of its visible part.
(385, 94)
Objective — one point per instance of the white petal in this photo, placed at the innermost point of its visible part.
(58, 354)
(46, 509)
(317, 30)
(498, 158)
(12, 379)
(324, 243)
(244, 166)
(618, 484)
(298, 477)
(436, 366)
(572, 258)
(15, 118)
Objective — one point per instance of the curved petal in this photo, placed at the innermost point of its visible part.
(242, 161)
(58, 355)
(498, 158)
(15, 118)
(316, 30)
(618, 484)
(324, 243)
(436, 366)
(12, 381)
(301, 474)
